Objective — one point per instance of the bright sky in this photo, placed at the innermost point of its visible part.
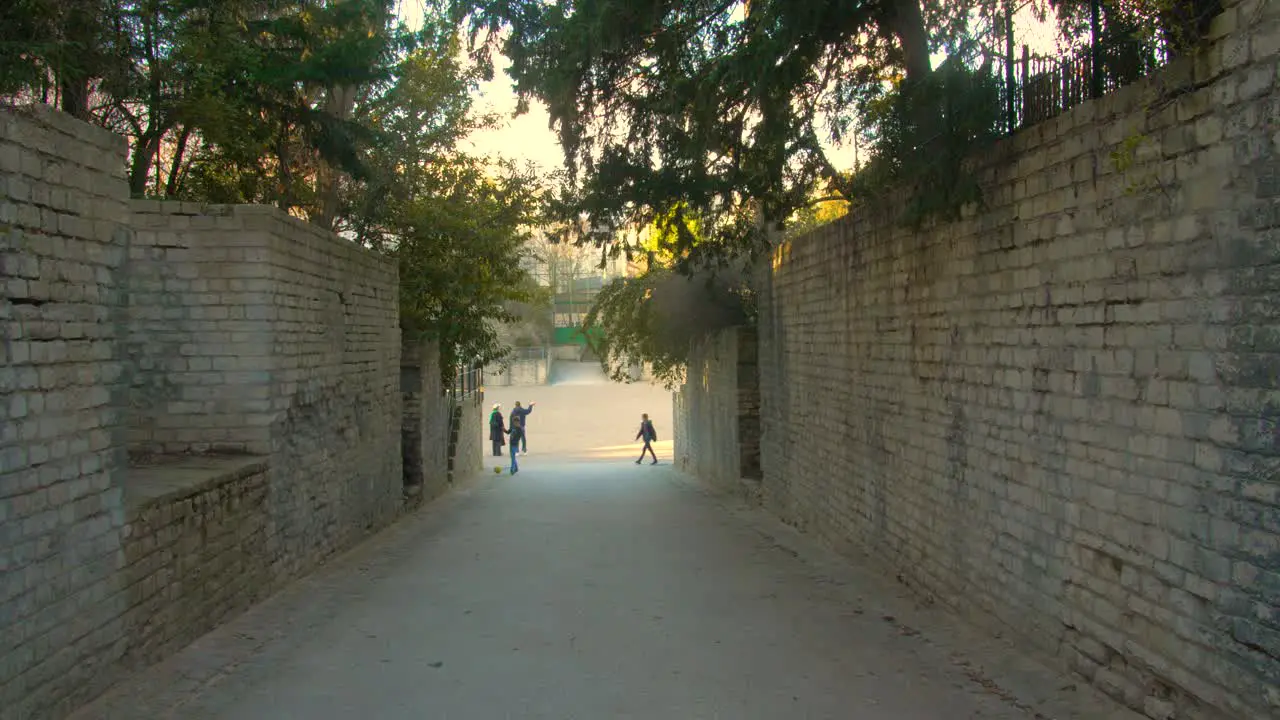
(529, 137)
(524, 138)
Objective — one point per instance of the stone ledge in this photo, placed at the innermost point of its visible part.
(169, 478)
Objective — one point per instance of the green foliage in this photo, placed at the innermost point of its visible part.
(661, 106)
(1126, 153)
(331, 110)
(821, 210)
(459, 246)
(53, 49)
(671, 236)
(700, 107)
(924, 134)
(656, 316)
(253, 91)
(1133, 34)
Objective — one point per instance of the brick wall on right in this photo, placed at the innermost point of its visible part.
(1060, 413)
(717, 413)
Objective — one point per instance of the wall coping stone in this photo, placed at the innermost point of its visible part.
(172, 478)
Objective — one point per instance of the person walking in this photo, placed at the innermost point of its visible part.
(520, 416)
(497, 429)
(516, 431)
(650, 436)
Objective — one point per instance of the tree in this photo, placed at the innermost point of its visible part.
(1134, 32)
(711, 104)
(55, 50)
(727, 107)
(263, 88)
(459, 245)
(287, 85)
(823, 209)
(655, 317)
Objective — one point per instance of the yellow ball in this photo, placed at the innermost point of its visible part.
(497, 470)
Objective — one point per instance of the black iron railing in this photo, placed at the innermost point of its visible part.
(468, 381)
(1036, 87)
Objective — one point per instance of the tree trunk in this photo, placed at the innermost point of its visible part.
(906, 20)
(144, 152)
(75, 95)
(80, 43)
(339, 103)
(175, 168)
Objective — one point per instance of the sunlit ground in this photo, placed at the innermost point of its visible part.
(586, 421)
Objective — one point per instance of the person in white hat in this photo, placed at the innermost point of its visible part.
(497, 430)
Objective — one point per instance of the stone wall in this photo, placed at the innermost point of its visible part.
(193, 555)
(200, 349)
(427, 417)
(62, 246)
(717, 413)
(471, 437)
(521, 371)
(335, 390)
(251, 331)
(170, 329)
(568, 353)
(1061, 412)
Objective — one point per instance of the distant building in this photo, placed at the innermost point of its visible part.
(575, 274)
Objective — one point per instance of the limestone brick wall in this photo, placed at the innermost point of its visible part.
(426, 421)
(1060, 413)
(252, 331)
(471, 438)
(193, 554)
(336, 465)
(170, 330)
(62, 246)
(717, 413)
(200, 348)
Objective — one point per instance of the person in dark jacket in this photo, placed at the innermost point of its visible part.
(520, 416)
(650, 436)
(497, 429)
(516, 431)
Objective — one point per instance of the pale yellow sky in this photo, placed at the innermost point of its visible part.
(523, 138)
(527, 137)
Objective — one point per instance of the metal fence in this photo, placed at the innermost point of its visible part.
(468, 381)
(1039, 87)
(1112, 47)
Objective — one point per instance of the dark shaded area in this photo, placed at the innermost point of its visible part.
(692, 307)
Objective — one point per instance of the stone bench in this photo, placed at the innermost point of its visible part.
(197, 548)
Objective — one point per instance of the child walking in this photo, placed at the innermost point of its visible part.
(649, 435)
(516, 431)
